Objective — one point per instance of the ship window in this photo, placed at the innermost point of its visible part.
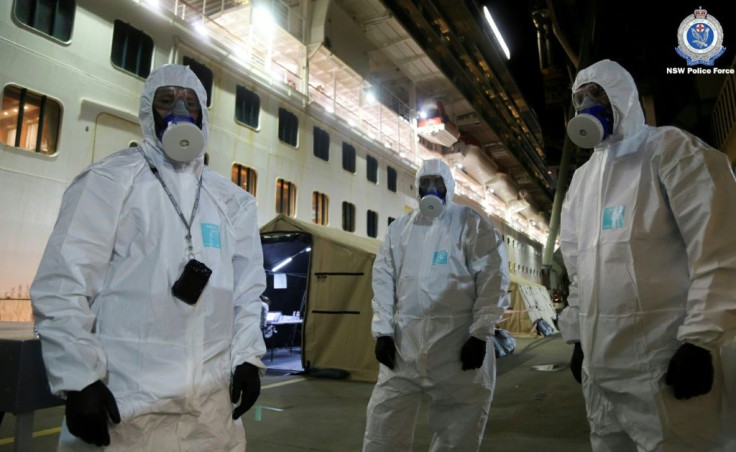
(348, 216)
(321, 144)
(245, 178)
(207, 158)
(348, 157)
(52, 17)
(35, 115)
(391, 220)
(204, 74)
(391, 178)
(371, 169)
(288, 126)
(132, 50)
(285, 197)
(320, 207)
(372, 223)
(247, 106)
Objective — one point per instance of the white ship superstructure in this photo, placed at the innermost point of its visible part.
(301, 107)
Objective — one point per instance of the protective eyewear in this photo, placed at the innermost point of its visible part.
(430, 182)
(167, 96)
(592, 91)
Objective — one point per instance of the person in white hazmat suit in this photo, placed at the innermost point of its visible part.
(147, 296)
(440, 284)
(647, 238)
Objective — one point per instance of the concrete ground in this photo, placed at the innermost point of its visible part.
(537, 406)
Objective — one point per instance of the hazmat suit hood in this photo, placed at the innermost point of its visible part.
(170, 75)
(628, 116)
(437, 167)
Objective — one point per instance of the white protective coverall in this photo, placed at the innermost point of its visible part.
(102, 296)
(436, 283)
(648, 239)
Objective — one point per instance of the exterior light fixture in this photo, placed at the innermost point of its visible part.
(497, 33)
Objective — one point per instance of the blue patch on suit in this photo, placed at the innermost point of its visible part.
(613, 217)
(440, 258)
(211, 235)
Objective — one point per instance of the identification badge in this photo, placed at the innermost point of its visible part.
(440, 258)
(211, 235)
(613, 217)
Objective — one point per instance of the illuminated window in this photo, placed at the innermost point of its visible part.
(52, 17)
(288, 127)
(371, 169)
(348, 158)
(372, 223)
(348, 216)
(36, 115)
(203, 73)
(132, 50)
(320, 207)
(245, 178)
(285, 198)
(247, 106)
(321, 144)
(391, 178)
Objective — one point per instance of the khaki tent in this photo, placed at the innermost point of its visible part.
(529, 302)
(336, 303)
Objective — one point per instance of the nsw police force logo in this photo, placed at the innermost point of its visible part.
(700, 37)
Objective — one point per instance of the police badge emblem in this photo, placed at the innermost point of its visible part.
(700, 37)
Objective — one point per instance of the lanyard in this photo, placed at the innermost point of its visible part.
(188, 224)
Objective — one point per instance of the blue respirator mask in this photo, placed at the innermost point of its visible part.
(179, 130)
(432, 194)
(593, 122)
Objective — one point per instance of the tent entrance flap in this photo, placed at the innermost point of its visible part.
(286, 260)
(337, 312)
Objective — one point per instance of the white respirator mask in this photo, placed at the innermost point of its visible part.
(182, 140)
(593, 122)
(591, 126)
(431, 206)
(432, 192)
(180, 134)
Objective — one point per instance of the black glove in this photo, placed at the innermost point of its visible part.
(386, 351)
(473, 353)
(246, 387)
(87, 411)
(690, 371)
(576, 362)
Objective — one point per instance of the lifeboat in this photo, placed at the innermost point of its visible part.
(434, 125)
